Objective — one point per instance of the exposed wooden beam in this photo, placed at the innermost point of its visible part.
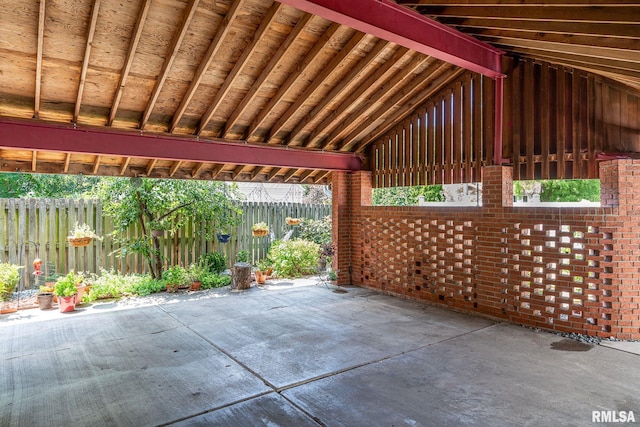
(133, 46)
(379, 97)
(30, 135)
(189, 12)
(304, 175)
(96, 165)
(256, 172)
(339, 88)
(237, 171)
(150, 166)
(67, 160)
(195, 172)
(288, 84)
(317, 83)
(289, 174)
(34, 161)
(356, 95)
(87, 56)
(216, 170)
(239, 66)
(41, 21)
(273, 63)
(320, 177)
(125, 164)
(216, 43)
(389, 21)
(434, 86)
(615, 15)
(273, 173)
(174, 167)
(519, 3)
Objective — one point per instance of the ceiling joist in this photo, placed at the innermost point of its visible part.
(87, 56)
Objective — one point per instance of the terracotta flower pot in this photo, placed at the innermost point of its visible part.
(171, 288)
(81, 289)
(195, 286)
(67, 304)
(261, 277)
(45, 301)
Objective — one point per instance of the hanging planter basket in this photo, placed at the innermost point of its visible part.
(79, 241)
(223, 238)
(293, 221)
(157, 233)
(260, 232)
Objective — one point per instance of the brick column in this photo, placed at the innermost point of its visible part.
(620, 274)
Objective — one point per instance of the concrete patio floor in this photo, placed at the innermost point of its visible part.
(295, 354)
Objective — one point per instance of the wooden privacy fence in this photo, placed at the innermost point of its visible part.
(38, 228)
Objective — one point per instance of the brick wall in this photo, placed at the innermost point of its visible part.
(566, 269)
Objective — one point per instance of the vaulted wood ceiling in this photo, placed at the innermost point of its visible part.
(259, 72)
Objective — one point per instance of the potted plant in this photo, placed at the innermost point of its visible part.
(326, 251)
(196, 272)
(82, 235)
(260, 229)
(176, 277)
(66, 291)
(45, 297)
(262, 271)
(292, 221)
(9, 278)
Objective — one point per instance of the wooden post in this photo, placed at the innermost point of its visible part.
(241, 276)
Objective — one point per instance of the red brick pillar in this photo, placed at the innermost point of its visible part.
(492, 255)
(350, 192)
(620, 272)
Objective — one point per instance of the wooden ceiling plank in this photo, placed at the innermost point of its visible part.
(342, 85)
(87, 56)
(133, 46)
(273, 63)
(522, 3)
(273, 173)
(38, 88)
(256, 172)
(429, 91)
(190, 11)
(67, 160)
(214, 47)
(125, 164)
(289, 174)
(216, 170)
(284, 89)
(237, 171)
(306, 174)
(197, 169)
(353, 43)
(150, 166)
(320, 177)
(239, 66)
(615, 15)
(96, 165)
(174, 167)
(380, 75)
(362, 113)
(34, 160)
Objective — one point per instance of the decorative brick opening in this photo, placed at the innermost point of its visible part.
(565, 269)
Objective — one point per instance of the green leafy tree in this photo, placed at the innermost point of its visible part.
(166, 205)
(570, 190)
(407, 196)
(50, 186)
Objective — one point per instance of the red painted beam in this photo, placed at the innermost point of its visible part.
(33, 135)
(401, 25)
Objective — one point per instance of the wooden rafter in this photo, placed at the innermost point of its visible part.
(195, 172)
(273, 63)
(34, 161)
(216, 43)
(133, 46)
(289, 174)
(96, 165)
(150, 166)
(237, 171)
(273, 173)
(317, 83)
(363, 113)
(125, 164)
(305, 175)
(238, 68)
(288, 84)
(319, 177)
(41, 21)
(337, 89)
(527, 3)
(174, 167)
(256, 172)
(67, 160)
(368, 85)
(87, 56)
(216, 170)
(166, 66)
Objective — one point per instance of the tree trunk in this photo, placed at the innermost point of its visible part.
(241, 276)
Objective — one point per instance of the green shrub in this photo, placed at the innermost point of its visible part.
(9, 278)
(113, 285)
(148, 285)
(242, 256)
(316, 230)
(214, 262)
(294, 258)
(211, 280)
(176, 275)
